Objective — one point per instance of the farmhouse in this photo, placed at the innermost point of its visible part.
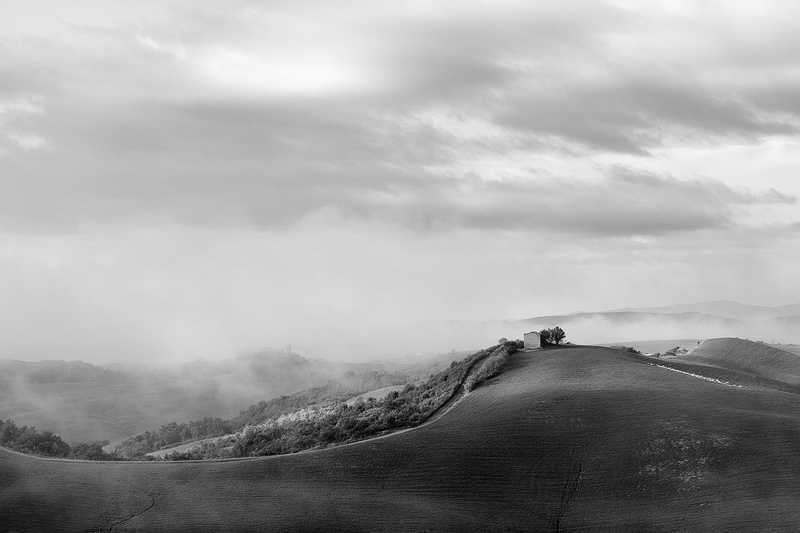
(533, 340)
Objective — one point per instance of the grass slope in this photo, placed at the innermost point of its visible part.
(566, 439)
(746, 356)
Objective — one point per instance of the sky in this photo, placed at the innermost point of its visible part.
(197, 179)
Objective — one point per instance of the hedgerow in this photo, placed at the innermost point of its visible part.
(493, 365)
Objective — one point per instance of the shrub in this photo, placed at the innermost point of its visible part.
(628, 349)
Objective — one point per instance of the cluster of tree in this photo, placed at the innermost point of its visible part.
(172, 434)
(553, 335)
(348, 422)
(27, 439)
(351, 384)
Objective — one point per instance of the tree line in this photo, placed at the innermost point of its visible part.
(27, 439)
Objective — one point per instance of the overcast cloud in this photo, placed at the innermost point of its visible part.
(182, 179)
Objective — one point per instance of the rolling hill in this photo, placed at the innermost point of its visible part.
(567, 439)
(745, 356)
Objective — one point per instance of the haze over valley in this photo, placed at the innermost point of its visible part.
(399, 266)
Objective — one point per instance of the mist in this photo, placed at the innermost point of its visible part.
(610, 328)
(81, 402)
(184, 181)
(158, 292)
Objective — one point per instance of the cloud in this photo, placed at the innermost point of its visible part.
(148, 115)
(308, 152)
(623, 203)
(269, 163)
(633, 115)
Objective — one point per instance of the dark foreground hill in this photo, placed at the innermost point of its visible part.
(567, 439)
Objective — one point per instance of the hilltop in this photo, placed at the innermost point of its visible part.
(573, 438)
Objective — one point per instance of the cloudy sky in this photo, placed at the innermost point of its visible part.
(183, 179)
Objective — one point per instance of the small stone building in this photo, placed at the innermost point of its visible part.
(533, 340)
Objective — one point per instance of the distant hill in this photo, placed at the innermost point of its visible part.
(631, 317)
(721, 308)
(700, 320)
(566, 439)
(51, 371)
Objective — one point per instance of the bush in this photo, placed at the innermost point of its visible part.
(628, 349)
(91, 451)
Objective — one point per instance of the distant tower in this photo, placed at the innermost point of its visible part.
(289, 348)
